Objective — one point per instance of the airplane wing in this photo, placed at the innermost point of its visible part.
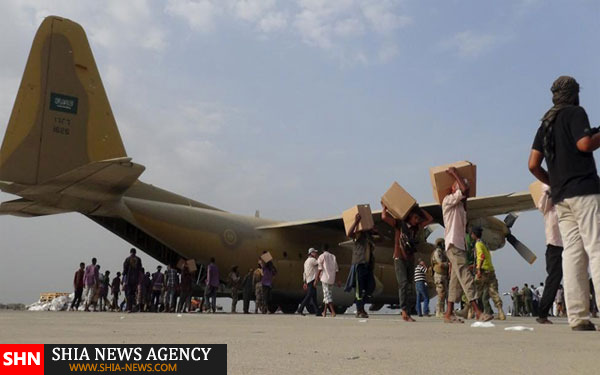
(477, 207)
(499, 204)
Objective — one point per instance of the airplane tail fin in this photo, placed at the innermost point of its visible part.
(62, 150)
(61, 119)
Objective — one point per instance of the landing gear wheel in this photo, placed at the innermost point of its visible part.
(273, 308)
(340, 309)
(289, 308)
(312, 311)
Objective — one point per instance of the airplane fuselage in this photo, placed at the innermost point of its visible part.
(201, 233)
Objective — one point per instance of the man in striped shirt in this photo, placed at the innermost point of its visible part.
(421, 285)
(172, 281)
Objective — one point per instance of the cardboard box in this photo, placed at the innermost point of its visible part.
(266, 257)
(191, 263)
(536, 190)
(398, 202)
(442, 181)
(366, 218)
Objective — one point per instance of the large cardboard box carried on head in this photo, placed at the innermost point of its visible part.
(191, 263)
(442, 181)
(366, 218)
(398, 202)
(536, 189)
(266, 257)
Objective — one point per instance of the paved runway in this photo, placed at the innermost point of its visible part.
(283, 344)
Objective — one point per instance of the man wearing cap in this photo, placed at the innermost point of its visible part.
(309, 276)
(566, 142)
(485, 277)
(440, 264)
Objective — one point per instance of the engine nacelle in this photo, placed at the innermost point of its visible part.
(494, 231)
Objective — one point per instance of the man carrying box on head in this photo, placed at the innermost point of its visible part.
(405, 241)
(361, 277)
(455, 222)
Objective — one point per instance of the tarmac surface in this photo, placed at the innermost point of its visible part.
(286, 344)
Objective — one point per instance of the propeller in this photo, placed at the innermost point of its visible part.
(523, 250)
(430, 229)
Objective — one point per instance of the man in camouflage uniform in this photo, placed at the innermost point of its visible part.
(439, 263)
(256, 279)
(234, 281)
(516, 298)
(527, 297)
(485, 279)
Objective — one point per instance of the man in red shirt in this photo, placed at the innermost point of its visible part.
(78, 286)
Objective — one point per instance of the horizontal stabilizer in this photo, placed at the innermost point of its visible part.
(26, 208)
(82, 189)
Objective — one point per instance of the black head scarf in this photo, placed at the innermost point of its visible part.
(565, 93)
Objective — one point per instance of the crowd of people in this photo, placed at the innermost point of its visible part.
(527, 301)
(460, 266)
(455, 278)
(169, 291)
(570, 205)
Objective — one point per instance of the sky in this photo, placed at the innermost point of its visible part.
(303, 108)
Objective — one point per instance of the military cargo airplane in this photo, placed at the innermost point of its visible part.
(62, 152)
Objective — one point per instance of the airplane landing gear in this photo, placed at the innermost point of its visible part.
(273, 307)
(289, 308)
(340, 309)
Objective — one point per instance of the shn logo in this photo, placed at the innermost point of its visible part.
(21, 359)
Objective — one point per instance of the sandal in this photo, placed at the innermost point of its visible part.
(585, 326)
(406, 317)
(485, 317)
(453, 319)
